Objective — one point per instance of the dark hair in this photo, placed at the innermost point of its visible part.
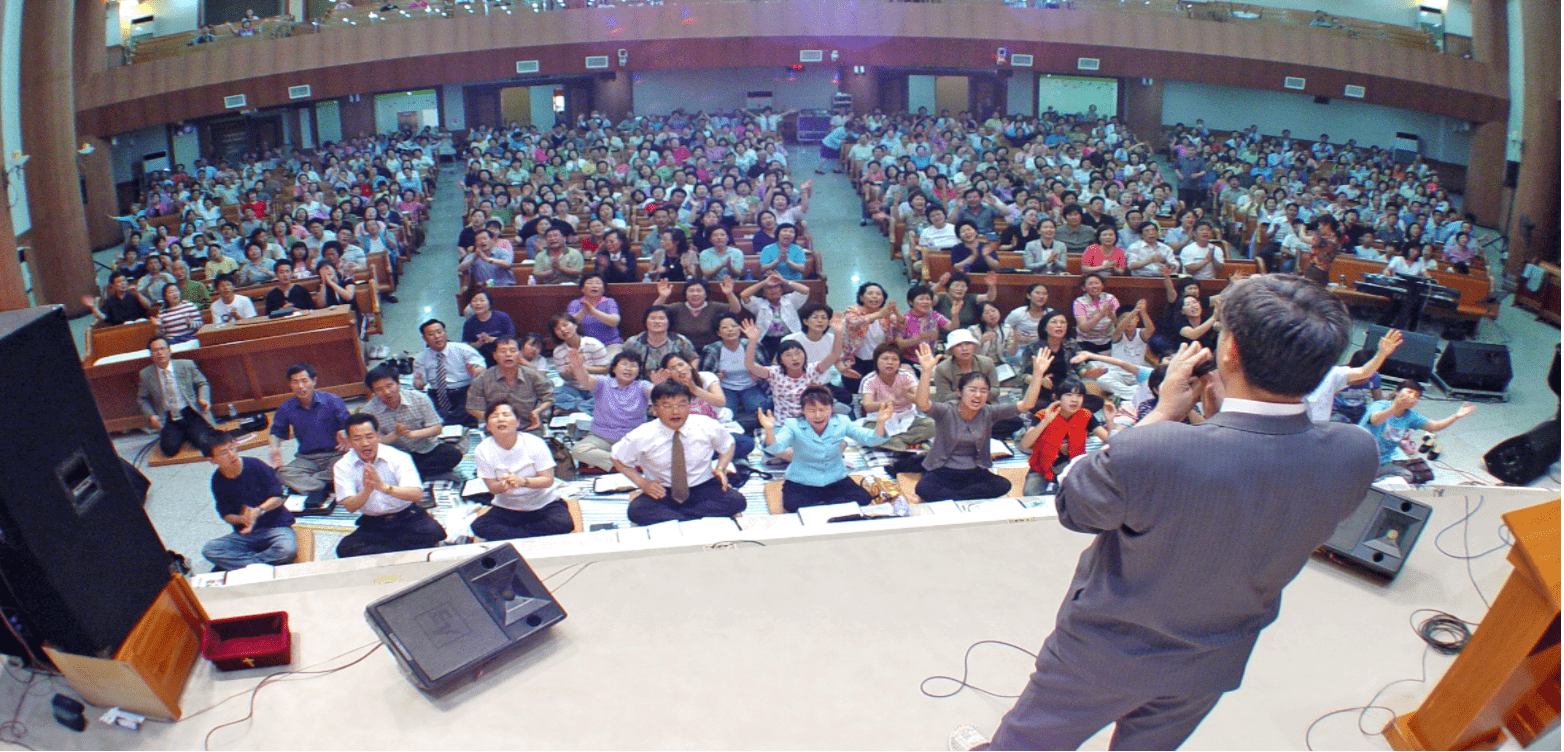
(668, 390)
(427, 324)
(957, 276)
(966, 223)
(787, 226)
(1070, 385)
(624, 355)
(299, 368)
(357, 419)
(214, 439)
(1070, 209)
(683, 355)
(863, 288)
(811, 308)
(1413, 384)
(816, 394)
(989, 304)
(155, 338)
(1140, 228)
(1090, 275)
(664, 310)
(221, 278)
(522, 340)
(590, 276)
(490, 412)
(1069, 325)
(787, 345)
(277, 267)
(1289, 331)
(379, 372)
(917, 290)
(970, 377)
(886, 347)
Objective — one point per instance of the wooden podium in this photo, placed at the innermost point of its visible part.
(1507, 678)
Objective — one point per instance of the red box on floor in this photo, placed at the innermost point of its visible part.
(250, 641)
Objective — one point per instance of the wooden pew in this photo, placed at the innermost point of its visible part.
(248, 371)
(531, 306)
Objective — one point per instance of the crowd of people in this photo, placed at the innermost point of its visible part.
(705, 207)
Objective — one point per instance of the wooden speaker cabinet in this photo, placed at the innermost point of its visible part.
(148, 672)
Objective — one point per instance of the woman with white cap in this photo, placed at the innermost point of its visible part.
(961, 346)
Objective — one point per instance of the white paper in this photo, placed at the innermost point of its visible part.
(612, 483)
(709, 527)
(294, 502)
(474, 487)
(453, 432)
(997, 449)
(252, 573)
(821, 514)
(664, 531)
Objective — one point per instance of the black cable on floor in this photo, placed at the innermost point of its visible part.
(966, 670)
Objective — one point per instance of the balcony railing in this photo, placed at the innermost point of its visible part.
(363, 15)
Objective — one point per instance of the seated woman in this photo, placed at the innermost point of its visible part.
(674, 260)
(1105, 256)
(1060, 436)
(818, 341)
(619, 406)
(656, 341)
(954, 301)
(958, 462)
(615, 260)
(971, 253)
(891, 383)
(179, 320)
(598, 315)
(696, 318)
(336, 288)
(1059, 341)
(995, 340)
(792, 372)
(1095, 314)
(706, 397)
(486, 325)
(519, 470)
(730, 357)
(719, 260)
(572, 396)
(1411, 262)
(818, 474)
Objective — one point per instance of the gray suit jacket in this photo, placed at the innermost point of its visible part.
(192, 387)
(1198, 530)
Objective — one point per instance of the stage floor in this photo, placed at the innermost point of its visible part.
(814, 640)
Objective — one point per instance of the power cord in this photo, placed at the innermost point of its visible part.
(1364, 709)
(206, 742)
(966, 670)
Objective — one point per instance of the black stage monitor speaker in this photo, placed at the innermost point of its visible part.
(444, 628)
(1414, 359)
(1475, 366)
(79, 559)
(1379, 536)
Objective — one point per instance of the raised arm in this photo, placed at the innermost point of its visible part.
(838, 343)
(752, 334)
(1387, 345)
(578, 368)
(927, 360)
(1040, 364)
(1435, 426)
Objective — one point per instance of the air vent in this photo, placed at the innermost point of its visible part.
(1087, 63)
(235, 102)
(811, 56)
(1294, 82)
(1021, 61)
(1356, 92)
(596, 62)
(301, 91)
(531, 66)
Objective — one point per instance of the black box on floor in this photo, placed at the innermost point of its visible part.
(1380, 534)
(445, 628)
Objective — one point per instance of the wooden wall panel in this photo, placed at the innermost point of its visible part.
(60, 260)
(952, 36)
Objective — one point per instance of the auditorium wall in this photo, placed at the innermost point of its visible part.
(131, 148)
(173, 16)
(1019, 93)
(1232, 108)
(454, 110)
(328, 121)
(424, 102)
(658, 91)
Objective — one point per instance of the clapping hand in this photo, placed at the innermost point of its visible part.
(887, 409)
(371, 478)
(838, 323)
(403, 431)
(250, 515)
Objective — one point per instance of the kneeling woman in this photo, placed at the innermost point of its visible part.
(817, 474)
(1060, 436)
(519, 470)
(958, 462)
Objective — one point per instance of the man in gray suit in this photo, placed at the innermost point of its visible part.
(1199, 528)
(175, 396)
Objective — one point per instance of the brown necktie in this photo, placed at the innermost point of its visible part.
(680, 473)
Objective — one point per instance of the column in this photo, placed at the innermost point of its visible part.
(865, 87)
(1534, 223)
(613, 94)
(1143, 109)
(1485, 158)
(61, 261)
(97, 172)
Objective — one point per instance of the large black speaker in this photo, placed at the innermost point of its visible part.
(78, 556)
(1474, 366)
(443, 629)
(1414, 359)
(1379, 535)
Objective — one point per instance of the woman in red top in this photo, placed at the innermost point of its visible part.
(1060, 436)
(1105, 256)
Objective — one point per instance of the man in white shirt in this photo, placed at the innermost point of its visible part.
(446, 368)
(1201, 258)
(1323, 398)
(670, 460)
(230, 306)
(382, 485)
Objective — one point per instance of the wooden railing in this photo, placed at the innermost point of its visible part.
(369, 14)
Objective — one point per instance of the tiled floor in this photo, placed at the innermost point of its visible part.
(180, 503)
